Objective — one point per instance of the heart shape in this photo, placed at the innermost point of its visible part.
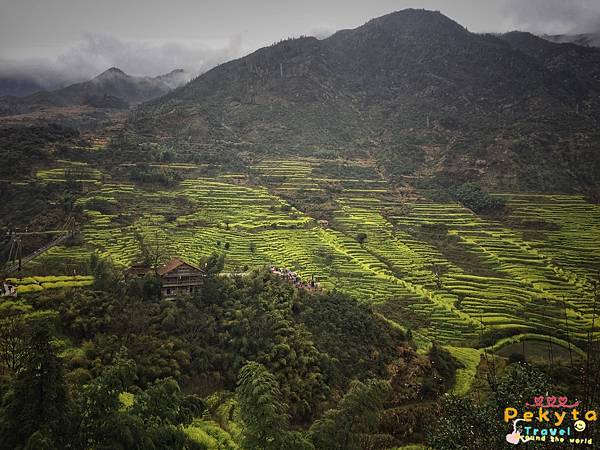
(551, 400)
(513, 438)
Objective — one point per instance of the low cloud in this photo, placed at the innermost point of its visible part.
(321, 32)
(98, 52)
(553, 16)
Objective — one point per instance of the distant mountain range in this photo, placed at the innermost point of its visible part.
(20, 85)
(585, 39)
(111, 89)
(434, 103)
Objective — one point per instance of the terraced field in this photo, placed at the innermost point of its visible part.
(36, 284)
(437, 268)
(67, 170)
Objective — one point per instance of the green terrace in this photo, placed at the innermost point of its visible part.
(437, 268)
(72, 171)
(39, 283)
(564, 227)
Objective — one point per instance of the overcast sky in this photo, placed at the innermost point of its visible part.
(79, 38)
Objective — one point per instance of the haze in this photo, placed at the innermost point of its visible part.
(66, 40)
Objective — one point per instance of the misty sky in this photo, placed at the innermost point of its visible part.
(77, 39)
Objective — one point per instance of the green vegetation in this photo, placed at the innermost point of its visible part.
(464, 423)
(476, 199)
(430, 183)
(36, 284)
(465, 375)
(437, 268)
(349, 425)
(245, 363)
(391, 267)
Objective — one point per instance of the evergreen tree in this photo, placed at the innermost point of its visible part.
(36, 408)
(356, 415)
(151, 422)
(264, 413)
(465, 424)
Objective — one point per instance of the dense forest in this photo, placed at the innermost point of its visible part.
(247, 362)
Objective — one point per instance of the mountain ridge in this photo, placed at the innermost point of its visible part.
(113, 89)
(396, 88)
(583, 39)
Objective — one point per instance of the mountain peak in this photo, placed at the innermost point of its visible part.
(113, 72)
(418, 19)
(406, 24)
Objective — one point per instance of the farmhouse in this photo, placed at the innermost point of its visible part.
(179, 277)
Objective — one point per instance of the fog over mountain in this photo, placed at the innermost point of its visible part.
(585, 39)
(43, 50)
(97, 52)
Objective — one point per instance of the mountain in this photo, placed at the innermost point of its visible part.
(111, 89)
(433, 103)
(175, 78)
(584, 39)
(19, 86)
(577, 67)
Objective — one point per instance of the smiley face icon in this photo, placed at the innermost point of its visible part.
(579, 425)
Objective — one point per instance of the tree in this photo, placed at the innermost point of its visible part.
(361, 238)
(438, 271)
(410, 338)
(445, 365)
(465, 425)
(37, 405)
(101, 422)
(151, 252)
(213, 264)
(264, 413)
(476, 199)
(150, 287)
(13, 327)
(356, 415)
(107, 277)
(151, 422)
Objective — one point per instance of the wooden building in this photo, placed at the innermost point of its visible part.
(179, 277)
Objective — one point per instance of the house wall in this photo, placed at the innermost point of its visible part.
(182, 280)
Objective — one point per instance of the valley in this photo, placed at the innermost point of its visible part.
(374, 240)
(435, 267)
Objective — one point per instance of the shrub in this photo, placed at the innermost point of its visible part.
(476, 199)
(516, 358)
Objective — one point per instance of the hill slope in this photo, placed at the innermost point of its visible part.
(429, 100)
(111, 89)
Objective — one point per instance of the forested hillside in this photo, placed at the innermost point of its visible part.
(384, 238)
(420, 93)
